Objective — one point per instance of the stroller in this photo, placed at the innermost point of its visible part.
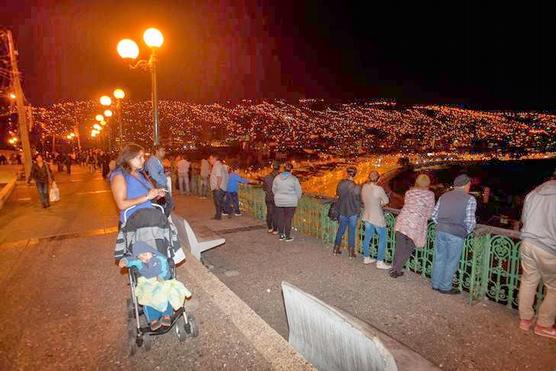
(150, 225)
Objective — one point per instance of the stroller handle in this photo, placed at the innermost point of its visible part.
(132, 207)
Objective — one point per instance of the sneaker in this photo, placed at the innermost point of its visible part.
(281, 238)
(289, 239)
(449, 292)
(224, 214)
(395, 274)
(270, 231)
(382, 265)
(368, 260)
(275, 232)
(237, 214)
(548, 332)
(525, 324)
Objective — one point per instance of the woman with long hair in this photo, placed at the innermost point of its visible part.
(129, 186)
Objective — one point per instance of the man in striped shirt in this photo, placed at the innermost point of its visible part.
(454, 215)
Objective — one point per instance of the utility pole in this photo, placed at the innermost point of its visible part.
(22, 112)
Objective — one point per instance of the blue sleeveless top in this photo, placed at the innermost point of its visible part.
(136, 187)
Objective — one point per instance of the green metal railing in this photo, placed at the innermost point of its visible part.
(489, 266)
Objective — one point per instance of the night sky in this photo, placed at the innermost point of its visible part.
(485, 56)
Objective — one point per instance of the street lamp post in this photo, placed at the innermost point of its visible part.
(128, 49)
(119, 94)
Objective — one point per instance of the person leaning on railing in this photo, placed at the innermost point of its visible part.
(454, 215)
(349, 207)
(374, 199)
(538, 259)
(411, 223)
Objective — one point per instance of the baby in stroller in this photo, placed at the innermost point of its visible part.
(156, 289)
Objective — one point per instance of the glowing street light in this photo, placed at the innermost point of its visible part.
(12, 96)
(103, 122)
(107, 113)
(97, 127)
(105, 100)
(153, 38)
(119, 94)
(99, 117)
(94, 133)
(128, 49)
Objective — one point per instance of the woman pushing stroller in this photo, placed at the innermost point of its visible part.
(147, 244)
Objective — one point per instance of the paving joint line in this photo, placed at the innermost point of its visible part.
(67, 236)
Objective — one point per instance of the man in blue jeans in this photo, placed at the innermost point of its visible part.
(349, 207)
(454, 215)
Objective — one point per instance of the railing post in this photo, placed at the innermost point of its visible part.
(484, 268)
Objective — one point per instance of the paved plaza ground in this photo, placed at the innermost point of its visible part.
(64, 297)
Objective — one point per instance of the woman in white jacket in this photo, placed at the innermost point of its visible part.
(287, 192)
(374, 198)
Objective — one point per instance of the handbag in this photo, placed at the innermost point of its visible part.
(333, 212)
(54, 194)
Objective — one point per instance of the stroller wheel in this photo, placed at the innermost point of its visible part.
(179, 327)
(147, 342)
(130, 309)
(131, 337)
(192, 328)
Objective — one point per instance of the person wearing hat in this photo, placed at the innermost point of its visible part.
(412, 222)
(349, 207)
(454, 215)
(538, 259)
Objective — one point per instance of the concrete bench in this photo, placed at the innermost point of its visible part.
(332, 339)
(186, 234)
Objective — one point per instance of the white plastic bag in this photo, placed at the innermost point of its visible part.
(54, 193)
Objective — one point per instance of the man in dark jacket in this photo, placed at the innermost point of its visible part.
(269, 198)
(349, 207)
(42, 175)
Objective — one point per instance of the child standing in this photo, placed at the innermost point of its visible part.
(232, 200)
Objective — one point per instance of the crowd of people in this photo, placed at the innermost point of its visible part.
(454, 216)
(139, 182)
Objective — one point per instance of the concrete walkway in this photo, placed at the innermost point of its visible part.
(444, 329)
(64, 298)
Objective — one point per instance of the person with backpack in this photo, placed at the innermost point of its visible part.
(349, 207)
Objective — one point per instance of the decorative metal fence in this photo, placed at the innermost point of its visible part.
(489, 266)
